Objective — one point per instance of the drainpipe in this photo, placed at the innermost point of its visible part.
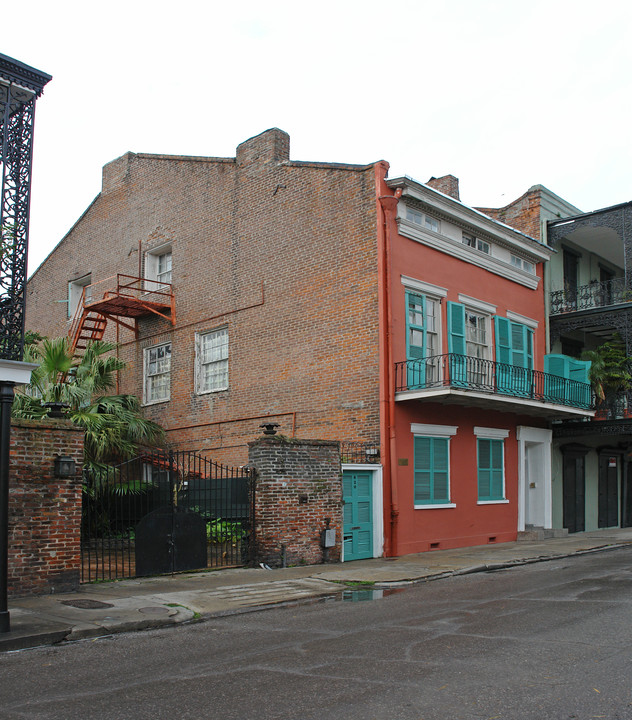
(387, 208)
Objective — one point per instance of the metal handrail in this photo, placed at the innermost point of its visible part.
(594, 295)
(470, 373)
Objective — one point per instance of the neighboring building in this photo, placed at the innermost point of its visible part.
(322, 297)
(588, 302)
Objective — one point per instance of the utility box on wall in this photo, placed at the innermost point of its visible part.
(298, 500)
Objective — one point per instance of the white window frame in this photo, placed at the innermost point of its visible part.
(485, 433)
(75, 288)
(152, 266)
(200, 364)
(522, 264)
(436, 431)
(476, 243)
(147, 383)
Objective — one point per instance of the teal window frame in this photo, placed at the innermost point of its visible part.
(490, 461)
(431, 468)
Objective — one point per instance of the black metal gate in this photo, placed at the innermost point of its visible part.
(164, 512)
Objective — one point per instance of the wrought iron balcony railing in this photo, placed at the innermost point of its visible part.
(615, 407)
(471, 373)
(594, 295)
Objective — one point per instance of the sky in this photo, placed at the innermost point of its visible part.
(502, 94)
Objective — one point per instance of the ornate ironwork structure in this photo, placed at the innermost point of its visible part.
(20, 86)
(587, 297)
(472, 373)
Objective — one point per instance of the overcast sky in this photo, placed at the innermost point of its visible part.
(502, 94)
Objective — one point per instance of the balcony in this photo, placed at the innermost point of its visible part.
(590, 297)
(475, 382)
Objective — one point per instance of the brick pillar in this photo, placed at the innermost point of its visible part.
(44, 511)
(298, 485)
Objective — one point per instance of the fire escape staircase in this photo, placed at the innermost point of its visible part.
(122, 299)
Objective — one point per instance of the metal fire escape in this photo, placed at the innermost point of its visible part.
(122, 299)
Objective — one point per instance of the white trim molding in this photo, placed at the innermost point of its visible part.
(491, 433)
(475, 304)
(423, 287)
(435, 507)
(516, 317)
(433, 430)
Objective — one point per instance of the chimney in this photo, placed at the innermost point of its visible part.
(448, 185)
(270, 146)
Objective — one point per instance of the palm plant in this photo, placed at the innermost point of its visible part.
(610, 369)
(114, 427)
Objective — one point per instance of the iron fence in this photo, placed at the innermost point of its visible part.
(164, 512)
(471, 373)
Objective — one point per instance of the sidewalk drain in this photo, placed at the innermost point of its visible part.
(87, 604)
(154, 610)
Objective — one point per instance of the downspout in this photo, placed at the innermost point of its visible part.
(387, 207)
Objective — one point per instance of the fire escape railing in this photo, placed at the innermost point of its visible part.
(475, 374)
(586, 297)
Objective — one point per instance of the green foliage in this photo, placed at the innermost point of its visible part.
(114, 426)
(610, 368)
(220, 531)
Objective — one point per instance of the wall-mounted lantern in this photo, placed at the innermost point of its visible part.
(65, 466)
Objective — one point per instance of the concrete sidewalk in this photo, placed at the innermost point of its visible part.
(112, 607)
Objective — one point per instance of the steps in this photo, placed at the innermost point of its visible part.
(91, 326)
(534, 533)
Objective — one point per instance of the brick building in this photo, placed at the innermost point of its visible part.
(338, 304)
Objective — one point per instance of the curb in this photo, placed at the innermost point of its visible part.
(17, 640)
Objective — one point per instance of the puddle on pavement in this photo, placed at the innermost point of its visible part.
(360, 595)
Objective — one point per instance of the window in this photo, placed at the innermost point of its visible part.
(468, 339)
(158, 265)
(422, 339)
(491, 480)
(432, 464)
(491, 464)
(414, 216)
(212, 361)
(432, 224)
(157, 374)
(164, 268)
(523, 264)
(475, 243)
(420, 219)
(75, 290)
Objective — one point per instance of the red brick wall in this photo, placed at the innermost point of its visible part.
(522, 214)
(298, 485)
(44, 511)
(281, 253)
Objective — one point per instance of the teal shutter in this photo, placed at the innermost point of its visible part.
(490, 469)
(432, 482)
(562, 368)
(503, 354)
(423, 472)
(555, 367)
(415, 340)
(514, 351)
(457, 345)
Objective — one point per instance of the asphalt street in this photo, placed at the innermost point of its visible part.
(546, 641)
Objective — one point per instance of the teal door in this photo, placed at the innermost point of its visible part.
(358, 514)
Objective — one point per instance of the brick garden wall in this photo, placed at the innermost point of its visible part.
(298, 485)
(44, 511)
